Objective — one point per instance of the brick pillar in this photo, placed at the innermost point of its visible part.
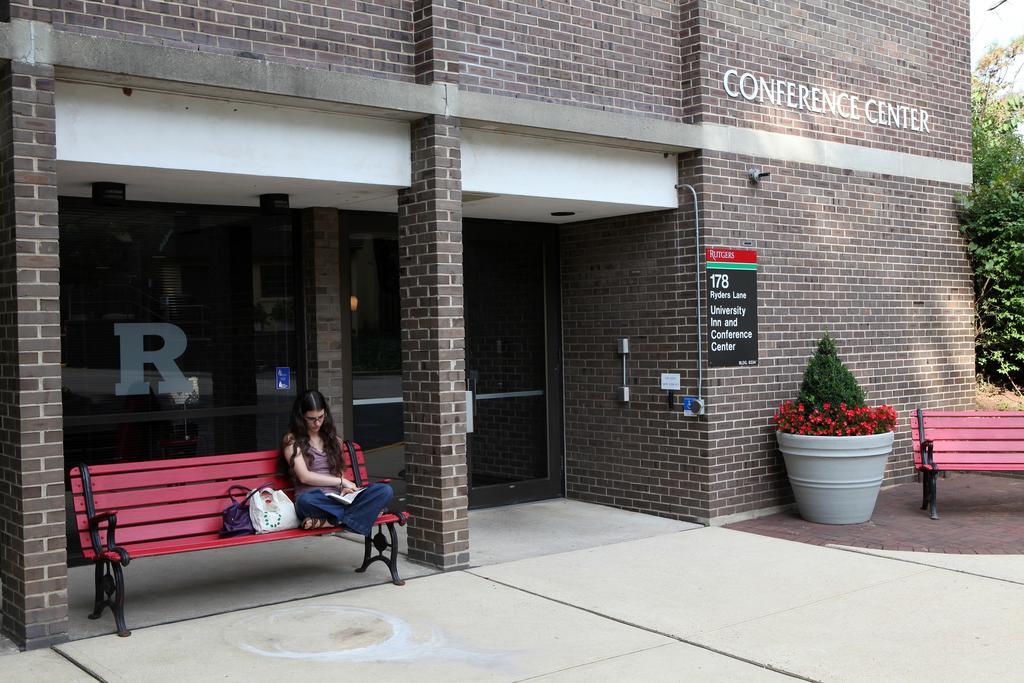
(33, 558)
(323, 307)
(438, 41)
(433, 346)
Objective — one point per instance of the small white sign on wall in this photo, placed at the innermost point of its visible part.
(670, 381)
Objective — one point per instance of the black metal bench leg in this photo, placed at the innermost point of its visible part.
(392, 561)
(367, 547)
(933, 511)
(110, 593)
(381, 544)
(924, 489)
(119, 601)
(101, 602)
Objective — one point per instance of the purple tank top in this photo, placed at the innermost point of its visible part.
(320, 466)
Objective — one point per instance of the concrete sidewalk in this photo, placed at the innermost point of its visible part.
(687, 603)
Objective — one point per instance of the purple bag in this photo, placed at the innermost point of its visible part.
(236, 515)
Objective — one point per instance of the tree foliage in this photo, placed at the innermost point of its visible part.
(827, 381)
(992, 216)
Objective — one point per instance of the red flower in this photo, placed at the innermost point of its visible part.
(835, 420)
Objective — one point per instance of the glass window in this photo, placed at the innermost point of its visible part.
(178, 330)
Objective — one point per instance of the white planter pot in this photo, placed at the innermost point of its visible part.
(835, 478)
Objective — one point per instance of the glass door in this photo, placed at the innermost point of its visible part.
(376, 388)
(512, 362)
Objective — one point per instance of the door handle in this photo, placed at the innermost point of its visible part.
(471, 378)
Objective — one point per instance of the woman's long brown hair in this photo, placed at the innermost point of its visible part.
(306, 402)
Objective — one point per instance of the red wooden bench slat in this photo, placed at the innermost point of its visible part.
(966, 422)
(999, 449)
(176, 465)
(170, 547)
(179, 528)
(979, 467)
(970, 413)
(184, 475)
(208, 541)
(152, 514)
(977, 458)
(202, 542)
(207, 534)
(149, 517)
(176, 494)
(148, 465)
(181, 466)
(179, 463)
(969, 434)
(121, 500)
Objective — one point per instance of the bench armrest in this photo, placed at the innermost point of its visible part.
(927, 454)
(95, 520)
(926, 445)
(110, 517)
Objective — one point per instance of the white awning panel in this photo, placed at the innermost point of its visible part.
(103, 125)
(505, 174)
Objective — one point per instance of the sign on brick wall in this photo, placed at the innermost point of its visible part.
(732, 306)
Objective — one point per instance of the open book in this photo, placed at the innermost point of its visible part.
(347, 498)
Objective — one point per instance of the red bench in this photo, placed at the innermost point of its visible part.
(130, 510)
(980, 441)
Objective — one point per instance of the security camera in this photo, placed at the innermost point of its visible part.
(756, 175)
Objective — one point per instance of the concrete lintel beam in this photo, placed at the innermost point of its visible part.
(108, 60)
(509, 114)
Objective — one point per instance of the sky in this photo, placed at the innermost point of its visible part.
(997, 26)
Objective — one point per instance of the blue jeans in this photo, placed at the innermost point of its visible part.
(359, 516)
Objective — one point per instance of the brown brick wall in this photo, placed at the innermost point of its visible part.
(631, 277)
(438, 41)
(322, 298)
(433, 349)
(915, 53)
(369, 38)
(33, 570)
(875, 260)
(624, 56)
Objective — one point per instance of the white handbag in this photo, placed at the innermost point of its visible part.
(271, 510)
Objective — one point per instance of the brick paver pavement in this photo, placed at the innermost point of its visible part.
(978, 514)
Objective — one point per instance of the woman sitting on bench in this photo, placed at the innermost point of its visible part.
(320, 468)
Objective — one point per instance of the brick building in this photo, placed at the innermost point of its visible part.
(209, 205)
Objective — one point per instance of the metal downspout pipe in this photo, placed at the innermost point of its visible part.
(696, 276)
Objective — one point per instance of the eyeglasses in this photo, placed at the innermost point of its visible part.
(315, 419)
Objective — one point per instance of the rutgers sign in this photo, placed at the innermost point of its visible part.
(732, 306)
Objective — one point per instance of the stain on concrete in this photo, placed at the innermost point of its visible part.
(328, 633)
